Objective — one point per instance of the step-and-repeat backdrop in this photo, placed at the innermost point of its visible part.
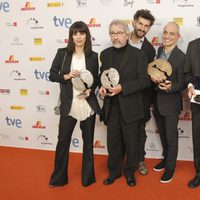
(30, 34)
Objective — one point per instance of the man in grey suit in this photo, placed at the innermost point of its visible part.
(123, 107)
(192, 72)
(168, 100)
(142, 22)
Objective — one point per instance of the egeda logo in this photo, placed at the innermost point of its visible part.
(14, 122)
(67, 22)
(4, 6)
(41, 75)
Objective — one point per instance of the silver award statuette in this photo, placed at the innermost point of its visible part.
(159, 68)
(83, 82)
(109, 78)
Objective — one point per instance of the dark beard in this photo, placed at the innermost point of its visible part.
(139, 36)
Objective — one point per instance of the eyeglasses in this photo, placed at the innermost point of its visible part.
(118, 34)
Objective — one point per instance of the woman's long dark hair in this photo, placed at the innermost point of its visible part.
(81, 27)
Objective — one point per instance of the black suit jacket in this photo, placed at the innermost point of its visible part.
(192, 65)
(170, 103)
(66, 88)
(150, 52)
(133, 79)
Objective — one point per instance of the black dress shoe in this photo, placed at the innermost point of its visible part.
(195, 182)
(109, 180)
(131, 181)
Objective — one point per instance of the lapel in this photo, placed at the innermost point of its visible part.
(172, 56)
(67, 64)
(126, 56)
(144, 44)
(88, 63)
(159, 52)
(109, 59)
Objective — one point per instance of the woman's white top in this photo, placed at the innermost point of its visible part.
(80, 108)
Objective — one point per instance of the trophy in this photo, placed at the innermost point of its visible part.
(160, 68)
(109, 78)
(83, 82)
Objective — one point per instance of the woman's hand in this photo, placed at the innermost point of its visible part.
(72, 74)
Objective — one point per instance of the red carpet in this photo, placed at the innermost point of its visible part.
(24, 175)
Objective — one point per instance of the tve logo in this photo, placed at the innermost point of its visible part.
(14, 122)
(41, 75)
(62, 22)
(4, 6)
(75, 142)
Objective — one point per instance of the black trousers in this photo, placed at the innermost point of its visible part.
(168, 130)
(142, 140)
(196, 137)
(66, 127)
(122, 139)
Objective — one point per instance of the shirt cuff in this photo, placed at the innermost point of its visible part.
(190, 84)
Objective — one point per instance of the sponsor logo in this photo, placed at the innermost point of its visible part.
(16, 41)
(33, 23)
(23, 92)
(181, 134)
(41, 75)
(28, 7)
(183, 3)
(152, 147)
(11, 59)
(24, 138)
(156, 42)
(36, 59)
(14, 122)
(66, 22)
(105, 2)
(62, 41)
(37, 41)
(43, 92)
(150, 131)
(39, 125)
(4, 136)
(129, 3)
(178, 20)
(4, 91)
(187, 116)
(11, 24)
(127, 21)
(93, 23)
(17, 107)
(16, 75)
(98, 145)
(181, 40)
(43, 139)
(81, 3)
(153, 1)
(94, 43)
(4, 6)
(41, 108)
(55, 4)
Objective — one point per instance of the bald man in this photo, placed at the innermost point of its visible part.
(168, 100)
